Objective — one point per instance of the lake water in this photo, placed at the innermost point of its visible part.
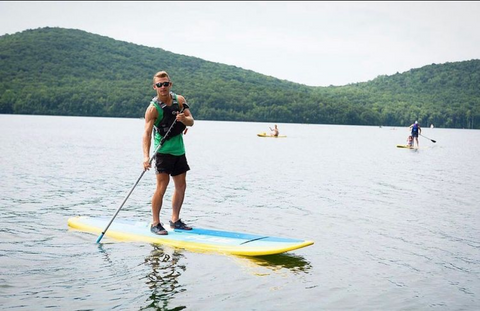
(394, 229)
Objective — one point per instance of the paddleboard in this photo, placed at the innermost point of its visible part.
(406, 146)
(268, 135)
(197, 239)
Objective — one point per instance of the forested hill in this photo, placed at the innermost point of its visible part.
(58, 71)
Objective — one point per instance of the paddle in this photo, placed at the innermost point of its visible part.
(138, 180)
(433, 141)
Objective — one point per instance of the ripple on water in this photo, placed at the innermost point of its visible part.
(393, 229)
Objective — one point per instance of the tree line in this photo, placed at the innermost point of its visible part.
(57, 71)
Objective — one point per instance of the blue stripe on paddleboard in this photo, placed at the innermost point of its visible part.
(215, 237)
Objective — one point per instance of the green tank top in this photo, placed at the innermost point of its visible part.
(174, 145)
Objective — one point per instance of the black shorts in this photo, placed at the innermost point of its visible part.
(170, 164)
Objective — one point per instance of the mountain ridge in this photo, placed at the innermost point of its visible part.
(81, 73)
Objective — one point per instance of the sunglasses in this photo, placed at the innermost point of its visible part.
(160, 84)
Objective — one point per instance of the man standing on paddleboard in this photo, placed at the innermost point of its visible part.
(167, 116)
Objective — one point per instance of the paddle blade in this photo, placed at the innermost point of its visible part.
(100, 237)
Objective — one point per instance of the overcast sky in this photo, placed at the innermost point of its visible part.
(313, 43)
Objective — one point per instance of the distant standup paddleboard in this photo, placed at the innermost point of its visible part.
(406, 147)
(197, 239)
(268, 135)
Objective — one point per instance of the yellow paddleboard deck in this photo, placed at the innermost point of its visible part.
(268, 135)
(406, 147)
(197, 239)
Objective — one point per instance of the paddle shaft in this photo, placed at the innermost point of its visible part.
(138, 180)
(433, 141)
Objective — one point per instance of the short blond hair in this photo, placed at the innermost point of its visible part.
(161, 74)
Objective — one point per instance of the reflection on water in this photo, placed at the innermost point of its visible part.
(102, 250)
(292, 262)
(265, 265)
(163, 278)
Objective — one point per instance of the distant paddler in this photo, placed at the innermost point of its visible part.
(275, 131)
(415, 130)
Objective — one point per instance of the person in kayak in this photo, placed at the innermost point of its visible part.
(275, 131)
(416, 129)
(164, 110)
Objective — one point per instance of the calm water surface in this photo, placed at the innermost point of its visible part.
(394, 229)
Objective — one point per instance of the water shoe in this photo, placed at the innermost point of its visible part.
(158, 229)
(179, 224)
